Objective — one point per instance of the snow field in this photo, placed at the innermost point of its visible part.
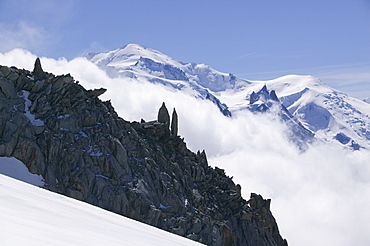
(35, 217)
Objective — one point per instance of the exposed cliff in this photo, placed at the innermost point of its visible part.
(84, 150)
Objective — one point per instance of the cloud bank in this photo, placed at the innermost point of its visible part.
(319, 197)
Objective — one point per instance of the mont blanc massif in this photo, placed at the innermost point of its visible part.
(213, 158)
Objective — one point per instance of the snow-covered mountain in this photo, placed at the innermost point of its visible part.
(35, 216)
(309, 104)
(264, 101)
(135, 61)
(332, 115)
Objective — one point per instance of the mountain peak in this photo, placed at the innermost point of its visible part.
(137, 49)
(133, 46)
(128, 55)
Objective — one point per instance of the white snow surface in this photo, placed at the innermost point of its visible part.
(35, 217)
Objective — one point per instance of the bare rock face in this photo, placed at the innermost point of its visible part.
(84, 150)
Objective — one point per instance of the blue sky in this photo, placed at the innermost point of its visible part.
(252, 39)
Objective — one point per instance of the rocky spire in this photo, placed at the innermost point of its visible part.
(274, 96)
(37, 70)
(174, 123)
(253, 98)
(163, 116)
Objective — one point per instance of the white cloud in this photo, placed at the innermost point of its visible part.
(319, 197)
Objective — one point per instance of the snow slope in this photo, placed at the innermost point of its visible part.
(34, 216)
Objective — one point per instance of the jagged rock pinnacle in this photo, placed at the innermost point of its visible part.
(37, 70)
(274, 96)
(163, 115)
(174, 123)
(253, 98)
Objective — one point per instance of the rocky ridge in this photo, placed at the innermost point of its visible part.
(144, 171)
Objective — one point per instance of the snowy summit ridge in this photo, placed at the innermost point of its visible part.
(128, 55)
(311, 105)
(136, 61)
(136, 58)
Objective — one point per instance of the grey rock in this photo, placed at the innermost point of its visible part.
(13, 75)
(7, 88)
(97, 92)
(5, 71)
(38, 86)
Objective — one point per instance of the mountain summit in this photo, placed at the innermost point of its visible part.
(138, 62)
(139, 59)
(129, 55)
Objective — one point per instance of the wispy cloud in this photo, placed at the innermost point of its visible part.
(34, 25)
(274, 55)
(23, 35)
(246, 55)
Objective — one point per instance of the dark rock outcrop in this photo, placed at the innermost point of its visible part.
(84, 150)
(163, 115)
(174, 123)
(37, 71)
(97, 92)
